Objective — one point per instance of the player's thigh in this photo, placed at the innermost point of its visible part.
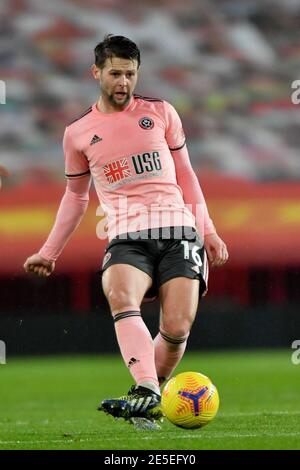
(125, 285)
(179, 298)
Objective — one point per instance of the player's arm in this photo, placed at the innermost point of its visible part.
(72, 208)
(193, 196)
(192, 193)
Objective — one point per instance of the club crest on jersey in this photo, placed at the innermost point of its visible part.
(117, 170)
(146, 123)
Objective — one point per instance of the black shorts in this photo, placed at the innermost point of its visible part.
(170, 254)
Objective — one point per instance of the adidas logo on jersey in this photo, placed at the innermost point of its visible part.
(95, 139)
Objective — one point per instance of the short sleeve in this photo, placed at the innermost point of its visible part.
(174, 132)
(76, 163)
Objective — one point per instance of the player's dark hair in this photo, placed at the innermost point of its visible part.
(116, 46)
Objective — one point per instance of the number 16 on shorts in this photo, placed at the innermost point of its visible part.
(193, 251)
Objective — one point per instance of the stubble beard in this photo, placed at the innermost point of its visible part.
(117, 104)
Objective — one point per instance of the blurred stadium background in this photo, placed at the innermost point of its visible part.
(227, 66)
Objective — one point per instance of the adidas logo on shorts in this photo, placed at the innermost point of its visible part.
(196, 269)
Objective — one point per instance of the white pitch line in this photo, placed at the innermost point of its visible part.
(221, 415)
(259, 413)
(54, 441)
(155, 436)
(161, 434)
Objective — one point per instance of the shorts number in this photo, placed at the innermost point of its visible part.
(195, 255)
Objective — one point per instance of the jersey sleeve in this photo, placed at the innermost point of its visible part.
(76, 163)
(71, 210)
(174, 132)
(192, 193)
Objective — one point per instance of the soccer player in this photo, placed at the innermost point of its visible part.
(160, 233)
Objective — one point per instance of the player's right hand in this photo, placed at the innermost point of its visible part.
(38, 265)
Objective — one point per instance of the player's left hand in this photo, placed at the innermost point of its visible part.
(216, 250)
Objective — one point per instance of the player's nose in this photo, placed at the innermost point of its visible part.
(123, 81)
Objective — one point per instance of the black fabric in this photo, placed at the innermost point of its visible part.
(120, 316)
(162, 258)
(171, 340)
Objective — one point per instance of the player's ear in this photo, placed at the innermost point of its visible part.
(96, 72)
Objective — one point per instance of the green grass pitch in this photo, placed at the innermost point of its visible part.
(50, 403)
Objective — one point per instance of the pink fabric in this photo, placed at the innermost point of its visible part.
(192, 193)
(167, 356)
(142, 175)
(72, 208)
(137, 348)
(131, 156)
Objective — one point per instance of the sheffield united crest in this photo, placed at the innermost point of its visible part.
(146, 123)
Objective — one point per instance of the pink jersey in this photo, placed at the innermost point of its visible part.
(128, 154)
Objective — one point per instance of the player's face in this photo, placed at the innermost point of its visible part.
(118, 79)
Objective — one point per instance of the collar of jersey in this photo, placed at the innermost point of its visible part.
(117, 113)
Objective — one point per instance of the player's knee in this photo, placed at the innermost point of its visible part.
(120, 298)
(176, 331)
(178, 326)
